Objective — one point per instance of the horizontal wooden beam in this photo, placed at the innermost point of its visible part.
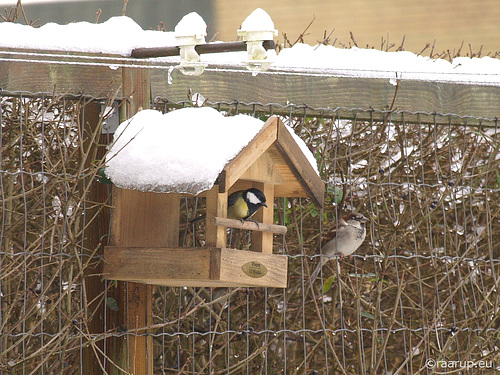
(58, 72)
(249, 225)
(320, 94)
(283, 91)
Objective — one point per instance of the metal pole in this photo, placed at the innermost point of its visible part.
(142, 53)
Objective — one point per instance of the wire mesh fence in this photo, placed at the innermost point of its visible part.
(423, 286)
(45, 177)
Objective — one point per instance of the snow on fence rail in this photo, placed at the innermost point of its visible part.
(100, 75)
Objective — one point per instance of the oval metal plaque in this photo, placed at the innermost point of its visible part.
(255, 270)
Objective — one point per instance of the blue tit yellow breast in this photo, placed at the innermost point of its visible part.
(239, 210)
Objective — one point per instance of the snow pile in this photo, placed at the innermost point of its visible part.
(118, 35)
(258, 20)
(191, 24)
(180, 151)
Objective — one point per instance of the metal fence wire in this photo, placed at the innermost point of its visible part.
(423, 287)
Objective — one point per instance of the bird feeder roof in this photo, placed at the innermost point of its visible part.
(278, 156)
(191, 149)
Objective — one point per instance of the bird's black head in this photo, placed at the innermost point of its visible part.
(254, 199)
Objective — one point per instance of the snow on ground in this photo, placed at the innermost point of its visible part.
(120, 35)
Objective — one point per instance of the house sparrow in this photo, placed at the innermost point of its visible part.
(345, 240)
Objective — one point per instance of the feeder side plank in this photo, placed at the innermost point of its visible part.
(233, 262)
(157, 265)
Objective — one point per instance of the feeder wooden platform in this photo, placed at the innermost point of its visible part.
(196, 267)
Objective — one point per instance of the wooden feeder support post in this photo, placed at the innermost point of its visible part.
(97, 230)
(138, 219)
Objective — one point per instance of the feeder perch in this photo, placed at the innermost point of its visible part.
(273, 162)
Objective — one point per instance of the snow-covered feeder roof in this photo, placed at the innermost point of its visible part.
(188, 150)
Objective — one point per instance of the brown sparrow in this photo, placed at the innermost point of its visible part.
(344, 240)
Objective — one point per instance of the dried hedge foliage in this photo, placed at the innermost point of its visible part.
(47, 168)
(423, 285)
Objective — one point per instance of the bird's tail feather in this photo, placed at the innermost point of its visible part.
(314, 275)
(321, 263)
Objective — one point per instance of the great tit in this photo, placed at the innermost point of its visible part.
(243, 204)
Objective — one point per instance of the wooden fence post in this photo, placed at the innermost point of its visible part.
(95, 239)
(136, 217)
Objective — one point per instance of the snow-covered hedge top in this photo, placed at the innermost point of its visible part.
(372, 63)
(120, 35)
(181, 151)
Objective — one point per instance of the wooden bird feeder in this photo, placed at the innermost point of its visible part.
(272, 162)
